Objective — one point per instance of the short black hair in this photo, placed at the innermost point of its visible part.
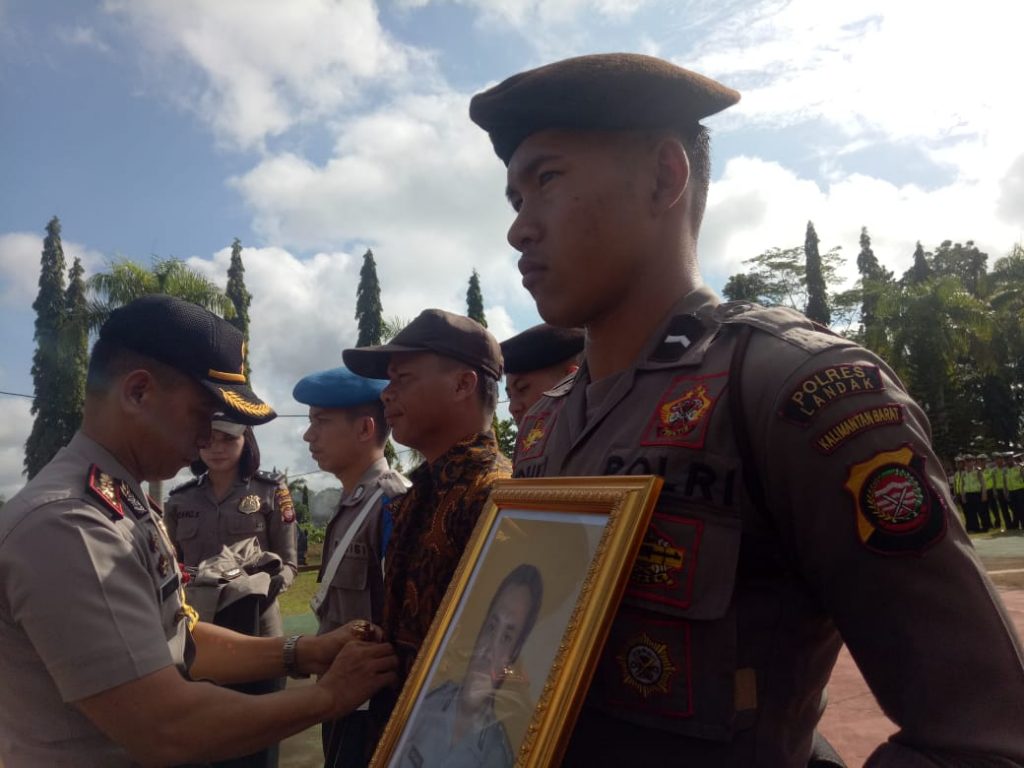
(374, 410)
(110, 360)
(528, 576)
(487, 391)
(248, 462)
(697, 142)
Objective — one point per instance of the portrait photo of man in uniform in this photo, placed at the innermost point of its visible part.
(456, 724)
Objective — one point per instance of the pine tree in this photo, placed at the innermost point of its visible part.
(475, 300)
(49, 430)
(921, 269)
(240, 298)
(75, 346)
(817, 293)
(369, 311)
(874, 277)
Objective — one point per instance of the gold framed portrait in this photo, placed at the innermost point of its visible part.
(503, 671)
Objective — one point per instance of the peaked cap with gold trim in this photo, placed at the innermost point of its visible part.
(194, 341)
(606, 91)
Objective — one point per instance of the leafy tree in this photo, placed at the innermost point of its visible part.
(391, 327)
(475, 300)
(300, 499)
(964, 262)
(506, 434)
(921, 269)
(873, 280)
(126, 281)
(75, 343)
(55, 418)
(745, 286)
(369, 312)
(817, 292)
(240, 297)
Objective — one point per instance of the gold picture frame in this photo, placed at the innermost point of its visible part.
(560, 551)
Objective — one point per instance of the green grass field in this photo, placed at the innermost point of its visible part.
(296, 600)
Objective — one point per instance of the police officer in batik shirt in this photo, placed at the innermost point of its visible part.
(801, 490)
(100, 652)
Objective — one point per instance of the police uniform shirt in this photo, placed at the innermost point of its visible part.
(431, 743)
(721, 649)
(260, 507)
(357, 590)
(90, 598)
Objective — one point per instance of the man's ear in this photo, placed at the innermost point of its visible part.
(367, 429)
(672, 173)
(465, 383)
(135, 387)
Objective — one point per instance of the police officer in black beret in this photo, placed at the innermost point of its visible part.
(803, 505)
(536, 360)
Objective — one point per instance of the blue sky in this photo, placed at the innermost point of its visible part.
(312, 129)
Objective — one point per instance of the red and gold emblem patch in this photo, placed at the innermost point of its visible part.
(534, 435)
(646, 666)
(104, 488)
(897, 511)
(284, 505)
(659, 561)
(682, 415)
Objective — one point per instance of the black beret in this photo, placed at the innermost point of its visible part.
(540, 347)
(608, 91)
(434, 330)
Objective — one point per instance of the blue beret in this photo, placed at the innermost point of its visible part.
(337, 388)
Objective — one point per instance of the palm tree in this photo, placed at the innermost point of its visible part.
(127, 280)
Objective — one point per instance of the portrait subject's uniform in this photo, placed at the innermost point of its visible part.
(114, 613)
(432, 743)
(835, 524)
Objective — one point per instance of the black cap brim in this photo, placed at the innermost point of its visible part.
(241, 403)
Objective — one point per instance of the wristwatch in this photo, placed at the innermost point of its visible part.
(288, 656)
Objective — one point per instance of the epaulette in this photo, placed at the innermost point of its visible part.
(114, 495)
(393, 483)
(194, 482)
(269, 477)
(562, 388)
(783, 323)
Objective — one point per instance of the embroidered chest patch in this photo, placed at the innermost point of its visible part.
(684, 410)
(825, 386)
(897, 511)
(534, 435)
(664, 568)
(646, 666)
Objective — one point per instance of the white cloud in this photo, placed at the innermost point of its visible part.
(20, 253)
(85, 37)
(270, 65)
(536, 14)
(758, 204)
(15, 425)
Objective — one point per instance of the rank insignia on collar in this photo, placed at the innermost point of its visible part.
(134, 503)
(358, 493)
(249, 504)
(104, 487)
(897, 510)
(682, 332)
(682, 415)
(646, 666)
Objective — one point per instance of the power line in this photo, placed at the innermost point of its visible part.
(17, 394)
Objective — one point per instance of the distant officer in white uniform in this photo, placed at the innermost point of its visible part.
(100, 655)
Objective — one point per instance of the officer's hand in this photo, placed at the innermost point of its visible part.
(316, 653)
(359, 671)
